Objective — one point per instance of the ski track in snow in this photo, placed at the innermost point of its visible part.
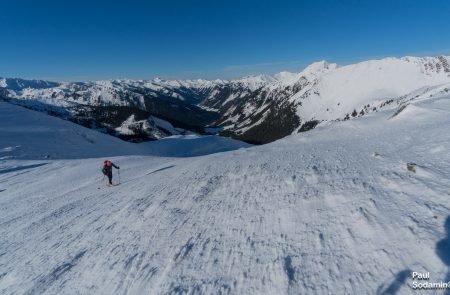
(331, 211)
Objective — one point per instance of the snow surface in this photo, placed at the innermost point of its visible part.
(127, 125)
(27, 134)
(314, 70)
(330, 211)
(351, 87)
(166, 126)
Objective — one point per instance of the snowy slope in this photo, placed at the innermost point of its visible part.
(331, 211)
(344, 89)
(34, 135)
(27, 134)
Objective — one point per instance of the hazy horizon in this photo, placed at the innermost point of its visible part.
(224, 76)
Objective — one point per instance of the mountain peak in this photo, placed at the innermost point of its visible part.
(320, 67)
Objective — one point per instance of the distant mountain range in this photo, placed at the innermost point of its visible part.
(256, 109)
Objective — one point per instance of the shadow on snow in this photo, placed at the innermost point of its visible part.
(21, 168)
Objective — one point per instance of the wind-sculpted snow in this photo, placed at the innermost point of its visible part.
(331, 211)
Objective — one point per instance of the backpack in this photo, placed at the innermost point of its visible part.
(105, 170)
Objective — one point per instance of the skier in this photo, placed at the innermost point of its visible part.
(107, 170)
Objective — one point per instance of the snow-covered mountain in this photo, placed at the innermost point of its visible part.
(256, 109)
(322, 92)
(109, 105)
(351, 207)
(27, 134)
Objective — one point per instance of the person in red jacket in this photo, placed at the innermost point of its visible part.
(107, 170)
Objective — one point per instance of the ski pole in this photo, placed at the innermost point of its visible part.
(118, 172)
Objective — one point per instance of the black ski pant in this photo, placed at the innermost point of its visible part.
(109, 178)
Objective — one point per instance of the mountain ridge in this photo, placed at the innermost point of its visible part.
(256, 108)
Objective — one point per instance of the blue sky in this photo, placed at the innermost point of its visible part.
(88, 40)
